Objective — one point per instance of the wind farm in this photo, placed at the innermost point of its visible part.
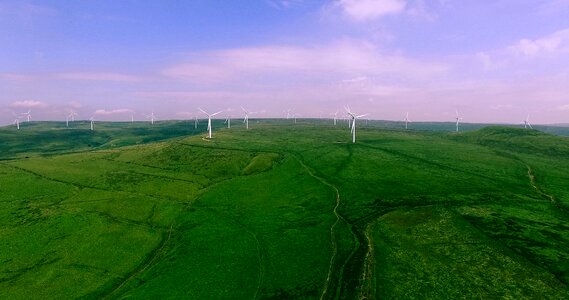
(284, 149)
(181, 190)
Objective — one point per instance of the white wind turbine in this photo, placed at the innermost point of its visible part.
(92, 119)
(17, 121)
(28, 115)
(228, 121)
(196, 122)
(71, 116)
(353, 125)
(458, 119)
(287, 113)
(152, 118)
(246, 119)
(335, 117)
(406, 120)
(526, 123)
(209, 120)
(295, 115)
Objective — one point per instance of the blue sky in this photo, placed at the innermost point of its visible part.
(494, 61)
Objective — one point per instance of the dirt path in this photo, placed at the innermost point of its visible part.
(332, 232)
(540, 191)
(367, 288)
(143, 267)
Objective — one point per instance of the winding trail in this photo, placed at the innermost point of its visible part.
(332, 232)
(367, 289)
(541, 192)
(143, 267)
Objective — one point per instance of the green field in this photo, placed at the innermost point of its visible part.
(282, 211)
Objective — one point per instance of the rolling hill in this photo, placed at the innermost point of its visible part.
(283, 211)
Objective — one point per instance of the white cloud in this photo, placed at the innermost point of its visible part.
(28, 104)
(558, 42)
(564, 107)
(277, 64)
(75, 104)
(99, 76)
(365, 10)
(104, 112)
(355, 79)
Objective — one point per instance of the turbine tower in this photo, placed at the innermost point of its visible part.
(246, 119)
(152, 117)
(353, 125)
(295, 115)
(287, 113)
(92, 119)
(458, 119)
(71, 116)
(406, 120)
(196, 122)
(526, 123)
(335, 117)
(228, 121)
(209, 120)
(28, 115)
(17, 122)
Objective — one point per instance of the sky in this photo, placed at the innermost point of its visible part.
(492, 61)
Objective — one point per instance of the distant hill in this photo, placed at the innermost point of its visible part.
(518, 139)
(47, 138)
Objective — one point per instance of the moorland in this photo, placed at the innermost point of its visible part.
(282, 210)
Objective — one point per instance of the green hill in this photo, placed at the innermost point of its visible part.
(42, 138)
(284, 211)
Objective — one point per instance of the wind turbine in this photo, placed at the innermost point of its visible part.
(70, 115)
(209, 120)
(335, 117)
(246, 119)
(228, 121)
(295, 115)
(526, 123)
(288, 113)
(353, 125)
(28, 115)
(151, 117)
(458, 119)
(92, 119)
(196, 122)
(17, 122)
(406, 120)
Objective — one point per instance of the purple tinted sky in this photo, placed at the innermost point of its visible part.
(494, 61)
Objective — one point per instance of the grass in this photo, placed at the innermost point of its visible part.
(129, 211)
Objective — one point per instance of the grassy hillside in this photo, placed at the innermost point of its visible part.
(286, 211)
(41, 138)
